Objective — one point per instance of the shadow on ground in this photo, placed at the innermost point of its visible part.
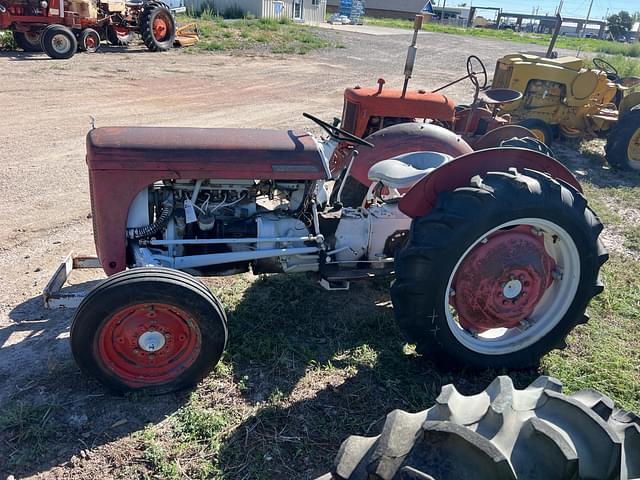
(304, 368)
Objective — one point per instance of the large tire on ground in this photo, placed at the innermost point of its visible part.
(623, 144)
(150, 329)
(59, 42)
(28, 41)
(498, 273)
(500, 434)
(157, 27)
(119, 36)
(540, 129)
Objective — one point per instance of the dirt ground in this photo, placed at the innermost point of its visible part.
(47, 108)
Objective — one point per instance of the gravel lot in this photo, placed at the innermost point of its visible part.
(47, 106)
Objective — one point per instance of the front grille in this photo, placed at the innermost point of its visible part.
(350, 111)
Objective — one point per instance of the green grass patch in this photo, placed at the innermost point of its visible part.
(276, 36)
(6, 41)
(28, 429)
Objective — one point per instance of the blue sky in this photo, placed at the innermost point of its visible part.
(572, 8)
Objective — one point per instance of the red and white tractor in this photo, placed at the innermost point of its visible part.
(62, 27)
(495, 252)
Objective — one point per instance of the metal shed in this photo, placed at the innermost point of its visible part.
(307, 11)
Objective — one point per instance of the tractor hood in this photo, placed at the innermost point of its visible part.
(221, 153)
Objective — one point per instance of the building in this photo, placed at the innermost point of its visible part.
(307, 11)
(406, 9)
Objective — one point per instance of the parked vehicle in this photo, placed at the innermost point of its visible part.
(62, 27)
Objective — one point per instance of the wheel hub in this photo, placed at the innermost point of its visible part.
(151, 341)
(502, 279)
(60, 43)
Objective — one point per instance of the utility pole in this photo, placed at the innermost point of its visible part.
(584, 29)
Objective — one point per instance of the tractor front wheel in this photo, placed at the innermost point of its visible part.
(157, 27)
(59, 42)
(89, 41)
(623, 144)
(150, 329)
(498, 273)
(28, 41)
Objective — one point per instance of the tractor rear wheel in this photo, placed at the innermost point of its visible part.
(157, 27)
(150, 329)
(537, 433)
(89, 41)
(540, 129)
(59, 42)
(623, 144)
(119, 36)
(498, 273)
(28, 41)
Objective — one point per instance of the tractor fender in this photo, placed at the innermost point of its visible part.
(628, 103)
(404, 138)
(422, 197)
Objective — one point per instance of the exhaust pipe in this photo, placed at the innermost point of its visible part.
(411, 54)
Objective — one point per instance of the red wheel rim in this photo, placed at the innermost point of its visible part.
(90, 42)
(149, 344)
(160, 28)
(501, 281)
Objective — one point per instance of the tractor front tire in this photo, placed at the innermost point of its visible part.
(540, 129)
(28, 41)
(623, 145)
(498, 273)
(59, 42)
(157, 27)
(537, 433)
(155, 330)
(89, 41)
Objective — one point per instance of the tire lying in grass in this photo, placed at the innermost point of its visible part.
(623, 145)
(149, 329)
(502, 433)
(498, 273)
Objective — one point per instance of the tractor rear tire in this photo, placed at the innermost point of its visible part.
(623, 145)
(502, 433)
(89, 41)
(28, 41)
(157, 27)
(59, 42)
(540, 129)
(118, 36)
(498, 273)
(155, 330)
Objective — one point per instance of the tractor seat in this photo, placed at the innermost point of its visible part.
(406, 170)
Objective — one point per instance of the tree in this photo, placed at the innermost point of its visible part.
(620, 23)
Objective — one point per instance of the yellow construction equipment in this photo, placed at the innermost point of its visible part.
(187, 35)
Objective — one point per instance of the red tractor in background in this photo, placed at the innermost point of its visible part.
(62, 27)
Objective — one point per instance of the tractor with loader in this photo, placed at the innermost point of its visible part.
(564, 97)
(62, 27)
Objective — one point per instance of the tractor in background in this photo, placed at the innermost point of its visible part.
(62, 27)
(563, 97)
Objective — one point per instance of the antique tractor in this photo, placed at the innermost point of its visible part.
(62, 27)
(495, 252)
(563, 97)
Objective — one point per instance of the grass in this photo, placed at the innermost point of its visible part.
(27, 429)
(6, 41)
(275, 36)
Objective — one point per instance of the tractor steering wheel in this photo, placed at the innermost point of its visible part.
(338, 133)
(477, 72)
(605, 66)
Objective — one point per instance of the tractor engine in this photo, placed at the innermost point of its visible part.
(179, 218)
